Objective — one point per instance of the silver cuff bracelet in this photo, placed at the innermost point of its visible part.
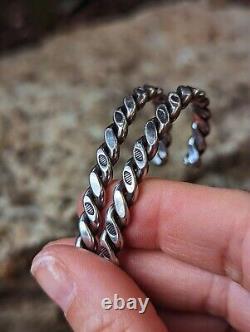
(105, 238)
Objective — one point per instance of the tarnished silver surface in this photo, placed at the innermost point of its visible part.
(106, 157)
(152, 147)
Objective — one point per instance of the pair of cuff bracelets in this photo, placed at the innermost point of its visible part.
(104, 237)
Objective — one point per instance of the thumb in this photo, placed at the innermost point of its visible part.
(79, 282)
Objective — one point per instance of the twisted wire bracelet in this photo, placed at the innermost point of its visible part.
(107, 155)
(144, 150)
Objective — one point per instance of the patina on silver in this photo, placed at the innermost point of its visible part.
(107, 156)
(152, 147)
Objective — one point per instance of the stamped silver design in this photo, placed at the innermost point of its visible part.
(152, 146)
(107, 156)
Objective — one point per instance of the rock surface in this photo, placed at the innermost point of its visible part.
(56, 99)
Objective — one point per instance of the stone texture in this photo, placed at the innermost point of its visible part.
(56, 99)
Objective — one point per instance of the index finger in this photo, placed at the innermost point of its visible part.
(204, 226)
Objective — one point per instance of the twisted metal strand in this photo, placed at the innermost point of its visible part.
(156, 131)
(107, 156)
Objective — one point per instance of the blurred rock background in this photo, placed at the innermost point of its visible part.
(64, 66)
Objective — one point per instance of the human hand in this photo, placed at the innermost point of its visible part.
(187, 248)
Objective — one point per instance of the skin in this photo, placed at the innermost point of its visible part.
(187, 248)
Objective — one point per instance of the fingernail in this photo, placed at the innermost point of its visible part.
(54, 279)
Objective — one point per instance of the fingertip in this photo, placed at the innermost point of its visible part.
(78, 281)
